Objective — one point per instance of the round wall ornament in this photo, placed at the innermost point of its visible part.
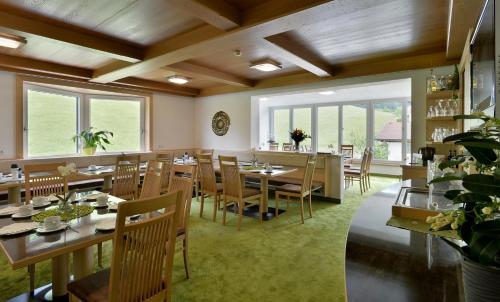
(220, 123)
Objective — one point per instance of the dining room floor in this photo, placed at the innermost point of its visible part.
(280, 260)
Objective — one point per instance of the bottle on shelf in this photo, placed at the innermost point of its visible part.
(450, 155)
(431, 83)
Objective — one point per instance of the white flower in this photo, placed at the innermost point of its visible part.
(487, 210)
(67, 170)
(454, 226)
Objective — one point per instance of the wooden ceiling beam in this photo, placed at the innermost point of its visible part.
(217, 13)
(462, 17)
(59, 31)
(292, 50)
(287, 15)
(47, 69)
(202, 72)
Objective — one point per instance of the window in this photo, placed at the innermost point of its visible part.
(388, 130)
(302, 120)
(328, 128)
(354, 119)
(52, 117)
(281, 125)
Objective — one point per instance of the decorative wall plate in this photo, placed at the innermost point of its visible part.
(220, 123)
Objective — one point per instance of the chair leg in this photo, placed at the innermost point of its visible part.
(276, 201)
(302, 209)
(99, 255)
(310, 205)
(31, 272)
(260, 209)
(202, 203)
(369, 181)
(216, 203)
(196, 192)
(240, 214)
(224, 210)
(185, 254)
(361, 185)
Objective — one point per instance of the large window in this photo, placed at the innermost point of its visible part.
(380, 124)
(52, 117)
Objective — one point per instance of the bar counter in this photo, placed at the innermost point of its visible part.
(385, 263)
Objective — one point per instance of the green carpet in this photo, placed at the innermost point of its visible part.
(280, 260)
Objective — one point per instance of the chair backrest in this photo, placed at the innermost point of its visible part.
(274, 146)
(347, 150)
(364, 160)
(205, 151)
(126, 176)
(369, 160)
(230, 172)
(151, 185)
(181, 179)
(309, 173)
(287, 147)
(143, 252)
(167, 158)
(207, 173)
(43, 180)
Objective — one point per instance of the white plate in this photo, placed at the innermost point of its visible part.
(17, 228)
(8, 211)
(106, 225)
(99, 206)
(17, 215)
(41, 205)
(113, 207)
(42, 230)
(277, 167)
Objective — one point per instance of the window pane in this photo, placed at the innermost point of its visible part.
(354, 127)
(388, 131)
(328, 128)
(52, 123)
(281, 126)
(302, 120)
(122, 117)
(408, 131)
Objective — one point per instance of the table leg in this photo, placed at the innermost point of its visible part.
(265, 193)
(107, 183)
(14, 195)
(83, 262)
(60, 275)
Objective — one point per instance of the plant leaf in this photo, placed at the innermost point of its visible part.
(489, 228)
(460, 136)
(488, 255)
(483, 156)
(451, 163)
(452, 194)
(482, 184)
(471, 197)
(480, 143)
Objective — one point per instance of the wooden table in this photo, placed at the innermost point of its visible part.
(384, 263)
(32, 248)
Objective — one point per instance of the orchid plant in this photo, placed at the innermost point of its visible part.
(477, 220)
(66, 171)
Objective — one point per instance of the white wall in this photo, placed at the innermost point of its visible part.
(173, 122)
(7, 115)
(244, 110)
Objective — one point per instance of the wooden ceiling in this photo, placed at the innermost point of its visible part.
(138, 43)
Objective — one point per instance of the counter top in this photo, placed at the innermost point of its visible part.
(385, 263)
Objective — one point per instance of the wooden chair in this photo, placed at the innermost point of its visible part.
(143, 254)
(274, 146)
(167, 159)
(209, 185)
(234, 190)
(298, 192)
(205, 151)
(287, 147)
(348, 152)
(151, 185)
(181, 179)
(42, 180)
(351, 175)
(126, 177)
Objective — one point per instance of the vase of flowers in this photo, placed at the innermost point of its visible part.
(298, 135)
(90, 140)
(65, 199)
(477, 220)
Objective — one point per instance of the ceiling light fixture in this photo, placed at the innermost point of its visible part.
(177, 79)
(11, 41)
(327, 92)
(266, 65)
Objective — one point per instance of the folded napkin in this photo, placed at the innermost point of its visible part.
(8, 210)
(95, 195)
(18, 228)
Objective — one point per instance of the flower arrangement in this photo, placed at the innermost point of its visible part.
(64, 199)
(477, 220)
(298, 135)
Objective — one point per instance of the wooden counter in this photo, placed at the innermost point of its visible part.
(384, 263)
(414, 172)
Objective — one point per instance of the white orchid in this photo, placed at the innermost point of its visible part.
(487, 210)
(67, 170)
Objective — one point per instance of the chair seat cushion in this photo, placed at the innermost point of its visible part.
(290, 188)
(91, 288)
(352, 171)
(247, 192)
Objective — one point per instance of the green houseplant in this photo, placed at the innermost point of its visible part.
(477, 220)
(90, 140)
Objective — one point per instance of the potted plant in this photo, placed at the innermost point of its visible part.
(477, 220)
(298, 135)
(89, 140)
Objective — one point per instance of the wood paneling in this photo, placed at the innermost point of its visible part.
(160, 75)
(214, 12)
(463, 17)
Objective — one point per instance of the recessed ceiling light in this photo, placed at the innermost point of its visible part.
(177, 80)
(266, 65)
(11, 41)
(264, 99)
(327, 92)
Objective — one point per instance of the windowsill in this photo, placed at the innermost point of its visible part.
(76, 155)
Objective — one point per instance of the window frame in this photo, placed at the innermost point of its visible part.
(370, 121)
(82, 116)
